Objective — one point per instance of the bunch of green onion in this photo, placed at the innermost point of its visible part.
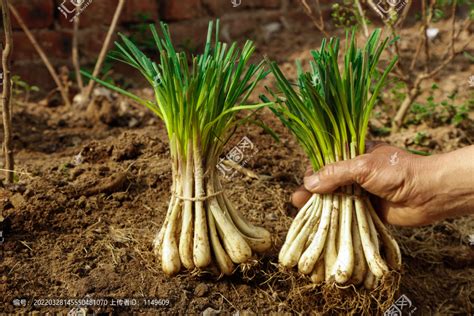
(197, 103)
(336, 237)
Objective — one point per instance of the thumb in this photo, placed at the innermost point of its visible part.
(338, 174)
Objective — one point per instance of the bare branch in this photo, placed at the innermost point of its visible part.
(445, 62)
(450, 51)
(7, 88)
(309, 12)
(453, 25)
(465, 25)
(418, 47)
(427, 19)
(399, 66)
(42, 54)
(429, 16)
(318, 9)
(376, 9)
(362, 15)
(75, 53)
(404, 14)
(105, 47)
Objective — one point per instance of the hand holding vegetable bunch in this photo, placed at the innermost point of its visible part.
(412, 190)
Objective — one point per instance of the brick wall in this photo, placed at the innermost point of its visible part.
(188, 21)
(187, 18)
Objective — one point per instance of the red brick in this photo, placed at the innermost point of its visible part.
(36, 14)
(35, 74)
(136, 9)
(219, 7)
(189, 34)
(175, 10)
(216, 7)
(264, 4)
(238, 27)
(98, 12)
(91, 41)
(255, 4)
(56, 44)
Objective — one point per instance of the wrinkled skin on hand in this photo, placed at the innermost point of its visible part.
(407, 189)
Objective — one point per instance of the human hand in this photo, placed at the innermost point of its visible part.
(412, 190)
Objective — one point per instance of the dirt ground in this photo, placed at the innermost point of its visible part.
(91, 194)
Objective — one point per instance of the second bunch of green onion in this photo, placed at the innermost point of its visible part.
(336, 238)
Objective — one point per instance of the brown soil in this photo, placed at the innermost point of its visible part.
(90, 197)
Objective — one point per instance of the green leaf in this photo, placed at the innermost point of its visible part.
(194, 95)
(328, 110)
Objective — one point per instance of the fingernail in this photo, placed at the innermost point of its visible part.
(311, 182)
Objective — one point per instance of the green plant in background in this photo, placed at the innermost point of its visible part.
(397, 90)
(335, 237)
(140, 33)
(420, 138)
(435, 113)
(22, 89)
(346, 15)
(198, 104)
(107, 70)
(442, 6)
(469, 57)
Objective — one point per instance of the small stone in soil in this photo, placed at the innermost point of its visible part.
(210, 312)
(17, 200)
(77, 173)
(271, 217)
(201, 290)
